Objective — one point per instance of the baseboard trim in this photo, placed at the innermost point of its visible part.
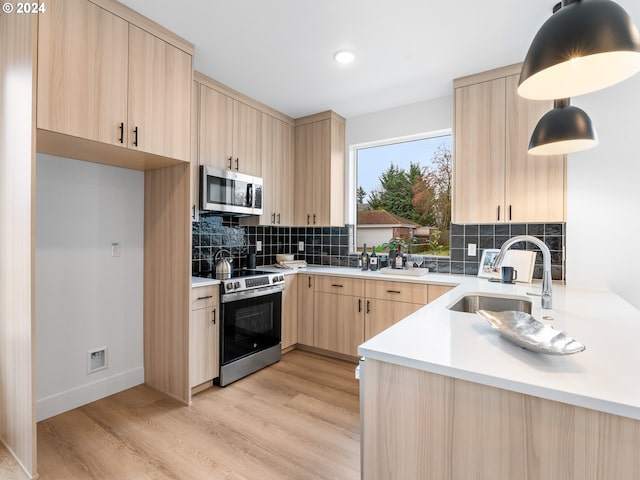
(76, 397)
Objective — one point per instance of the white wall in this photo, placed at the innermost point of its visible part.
(415, 119)
(604, 195)
(85, 298)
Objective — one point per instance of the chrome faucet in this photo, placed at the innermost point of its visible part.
(546, 263)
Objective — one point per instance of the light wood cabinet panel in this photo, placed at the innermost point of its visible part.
(203, 297)
(340, 285)
(290, 311)
(418, 424)
(103, 79)
(436, 291)
(195, 157)
(247, 137)
(215, 129)
(495, 180)
(339, 323)
(204, 335)
(230, 134)
(306, 308)
(479, 169)
(159, 106)
(82, 71)
(381, 314)
(319, 170)
(277, 172)
(398, 291)
(541, 178)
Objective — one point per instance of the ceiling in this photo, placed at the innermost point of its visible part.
(280, 52)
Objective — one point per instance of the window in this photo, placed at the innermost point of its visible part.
(403, 194)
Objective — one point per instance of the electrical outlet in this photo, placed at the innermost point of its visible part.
(258, 245)
(301, 246)
(471, 250)
(96, 359)
(115, 249)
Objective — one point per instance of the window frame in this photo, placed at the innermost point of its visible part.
(351, 186)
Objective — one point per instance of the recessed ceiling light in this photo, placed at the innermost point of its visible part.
(344, 56)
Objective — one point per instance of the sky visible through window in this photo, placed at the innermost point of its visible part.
(373, 161)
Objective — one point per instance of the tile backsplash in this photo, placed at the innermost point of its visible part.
(322, 245)
(330, 245)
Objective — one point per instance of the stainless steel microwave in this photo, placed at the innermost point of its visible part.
(229, 192)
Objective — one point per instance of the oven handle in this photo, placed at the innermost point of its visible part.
(256, 292)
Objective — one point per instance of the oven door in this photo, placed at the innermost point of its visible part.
(249, 324)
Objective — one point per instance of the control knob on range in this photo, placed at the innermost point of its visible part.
(229, 286)
(236, 285)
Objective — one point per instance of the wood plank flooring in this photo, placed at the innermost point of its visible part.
(297, 419)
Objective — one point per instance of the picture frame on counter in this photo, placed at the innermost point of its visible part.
(485, 269)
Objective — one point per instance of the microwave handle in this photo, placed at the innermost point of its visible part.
(250, 194)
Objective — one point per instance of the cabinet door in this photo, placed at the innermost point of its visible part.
(203, 345)
(82, 71)
(306, 311)
(195, 163)
(247, 138)
(290, 311)
(339, 323)
(159, 96)
(215, 128)
(320, 173)
(303, 175)
(479, 162)
(282, 189)
(381, 314)
(535, 185)
(277, 171)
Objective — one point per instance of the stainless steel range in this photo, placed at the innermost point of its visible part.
(251, 323)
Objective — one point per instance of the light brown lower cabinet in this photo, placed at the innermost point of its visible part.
(290, 311)
(306, 310)
(204, 331)
(417, 424)
(350, 311)
(338, 323)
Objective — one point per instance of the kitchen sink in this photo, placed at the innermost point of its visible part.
(472, 302)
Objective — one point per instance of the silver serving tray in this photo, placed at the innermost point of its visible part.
(527, 332)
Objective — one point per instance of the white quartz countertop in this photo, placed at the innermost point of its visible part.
(604, 377)
(203, 282)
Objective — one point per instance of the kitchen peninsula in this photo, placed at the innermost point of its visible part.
(444, 396)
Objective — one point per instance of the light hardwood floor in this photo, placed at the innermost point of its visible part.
(297, 419)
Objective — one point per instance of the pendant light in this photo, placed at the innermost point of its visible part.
(584, 46)
(565, 129)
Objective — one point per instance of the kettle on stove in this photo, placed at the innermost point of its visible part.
(223, 265)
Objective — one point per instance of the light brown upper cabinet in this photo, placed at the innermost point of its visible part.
(101, 78)
(319, 170)
(494, 178)
(277, 171)
(230, 133)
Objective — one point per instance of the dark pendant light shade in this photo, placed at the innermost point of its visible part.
(584, 46)
(565, 129)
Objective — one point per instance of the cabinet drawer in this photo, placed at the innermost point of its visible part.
(398, 291)
(204, 296)
(340, 285)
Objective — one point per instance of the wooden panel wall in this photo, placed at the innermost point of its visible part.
(422, 425)
(167, 280)
(17, 212)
